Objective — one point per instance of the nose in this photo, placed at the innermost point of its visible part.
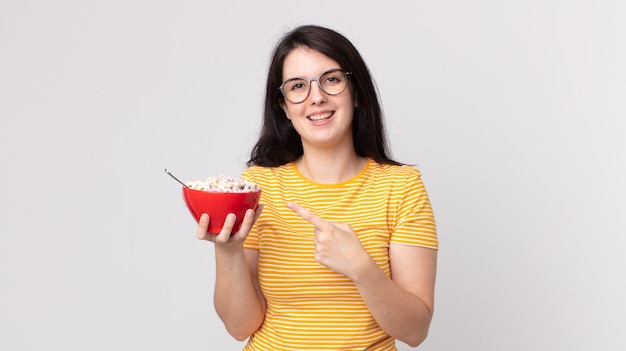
(316, 94)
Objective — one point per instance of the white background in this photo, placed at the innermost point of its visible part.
(513, 110)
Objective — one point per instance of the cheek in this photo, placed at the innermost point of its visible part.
(293, 111)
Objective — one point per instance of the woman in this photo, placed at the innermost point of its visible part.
(341, 255)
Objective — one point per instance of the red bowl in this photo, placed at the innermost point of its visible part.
(218, 205)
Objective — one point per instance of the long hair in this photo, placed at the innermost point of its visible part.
(279, 143)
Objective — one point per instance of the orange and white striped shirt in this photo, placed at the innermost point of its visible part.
(310, 307)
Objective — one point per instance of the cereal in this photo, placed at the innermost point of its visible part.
(224, 184)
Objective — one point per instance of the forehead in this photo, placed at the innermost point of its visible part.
(306, 62)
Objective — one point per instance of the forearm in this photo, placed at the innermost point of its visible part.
(401, 314)
(236, 300)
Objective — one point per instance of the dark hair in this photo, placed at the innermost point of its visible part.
(279, 143)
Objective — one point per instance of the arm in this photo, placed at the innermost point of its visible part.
(403, 305)
(237, 298)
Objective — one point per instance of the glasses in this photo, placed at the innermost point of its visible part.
(332, 82)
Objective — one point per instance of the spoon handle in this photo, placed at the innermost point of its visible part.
(178, 180)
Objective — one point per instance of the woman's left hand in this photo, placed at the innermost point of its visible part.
(336, 245)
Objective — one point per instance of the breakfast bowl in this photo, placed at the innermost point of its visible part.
(218, 204)
(219, 196)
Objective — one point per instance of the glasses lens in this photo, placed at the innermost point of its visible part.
(296, 90)
(334, 82)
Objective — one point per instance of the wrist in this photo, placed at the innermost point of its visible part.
(367, 272)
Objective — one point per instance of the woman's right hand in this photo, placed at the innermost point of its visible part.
(225, 237)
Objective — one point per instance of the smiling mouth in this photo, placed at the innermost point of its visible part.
(320, 117)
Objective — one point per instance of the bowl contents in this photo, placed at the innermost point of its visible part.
(223, 184)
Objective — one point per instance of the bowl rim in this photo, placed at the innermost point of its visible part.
(222, 192)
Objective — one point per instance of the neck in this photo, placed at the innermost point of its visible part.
(330, 167)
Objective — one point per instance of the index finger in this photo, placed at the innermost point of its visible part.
(308, 215)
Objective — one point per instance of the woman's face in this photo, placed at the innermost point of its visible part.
(322, 120)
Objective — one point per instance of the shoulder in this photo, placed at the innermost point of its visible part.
(396, 179)
(394, 172)
(261, 175)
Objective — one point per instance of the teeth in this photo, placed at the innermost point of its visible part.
(320, 117)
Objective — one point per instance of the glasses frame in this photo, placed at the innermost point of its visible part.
(309, 80)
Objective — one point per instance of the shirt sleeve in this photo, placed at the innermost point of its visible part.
(414, 219)
(252, 241)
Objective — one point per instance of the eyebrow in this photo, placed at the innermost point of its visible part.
(319, 75)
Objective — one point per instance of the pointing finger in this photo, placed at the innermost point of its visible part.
(308, 215)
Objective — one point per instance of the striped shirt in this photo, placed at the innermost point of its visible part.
(310, 307)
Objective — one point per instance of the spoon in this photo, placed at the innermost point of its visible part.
(178, 180)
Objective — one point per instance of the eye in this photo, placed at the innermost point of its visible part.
(333, 78)
(296, 85)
